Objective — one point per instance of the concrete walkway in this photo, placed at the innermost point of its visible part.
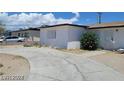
(50, 64)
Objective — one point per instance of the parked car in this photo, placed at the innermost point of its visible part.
(14, 39)
(1, 39)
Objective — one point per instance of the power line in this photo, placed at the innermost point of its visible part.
(99, 17)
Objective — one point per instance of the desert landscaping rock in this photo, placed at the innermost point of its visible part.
(52, 65)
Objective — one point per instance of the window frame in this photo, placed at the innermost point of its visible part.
(51, 34)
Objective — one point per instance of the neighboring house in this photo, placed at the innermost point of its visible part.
(59, 36)
(111, 35)
(32, 34)
(1, 34)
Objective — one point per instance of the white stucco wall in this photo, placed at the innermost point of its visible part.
(110, 38)
(75, 34)
(119, 39)
(64, 34)
(58, 42)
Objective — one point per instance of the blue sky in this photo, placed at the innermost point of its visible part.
(19, 20)
(85, 17)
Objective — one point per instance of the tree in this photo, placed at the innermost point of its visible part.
(89, 41)
(1, 28)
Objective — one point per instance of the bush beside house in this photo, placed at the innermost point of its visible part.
(89, 41)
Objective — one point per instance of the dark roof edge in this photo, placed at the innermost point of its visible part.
(105, 27)
(36, 29)
(64, 25)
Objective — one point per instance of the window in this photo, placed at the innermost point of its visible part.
(51, 34)
(26, 34)
(14, 37)
(112, 39)
(22, 35)
(8, 37)
(19, 34)
(117, 30)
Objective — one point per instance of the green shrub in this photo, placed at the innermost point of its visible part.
(27, 45)
(1, 73)
(1, 65)
(32, 44)
(36, 44)
(89, 41)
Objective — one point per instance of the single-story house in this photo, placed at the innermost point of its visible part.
(32, 34)
(60, 35)
(111, 35)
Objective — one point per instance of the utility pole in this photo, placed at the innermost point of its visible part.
(99, 17)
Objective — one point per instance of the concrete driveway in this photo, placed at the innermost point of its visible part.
(49, 64)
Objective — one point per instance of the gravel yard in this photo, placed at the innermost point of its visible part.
(13, 67)
(111, 59)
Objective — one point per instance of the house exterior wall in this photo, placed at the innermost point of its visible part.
(119, 39)
(110, 38)
(64, 34)
(75, 33)
(33, 35)
(60, 41)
